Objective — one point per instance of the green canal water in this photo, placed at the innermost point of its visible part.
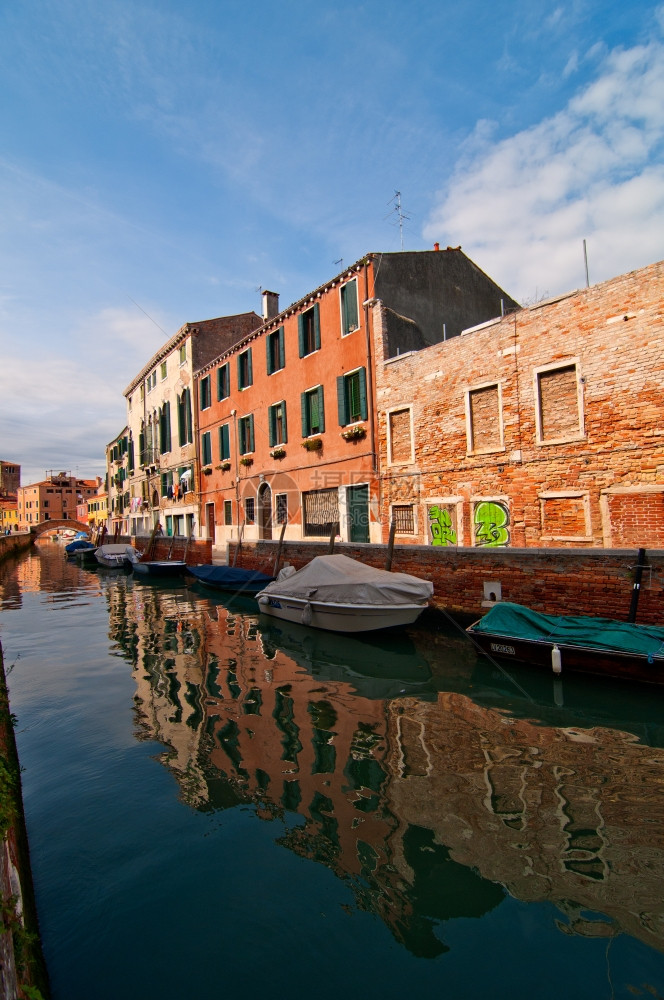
(217, 805)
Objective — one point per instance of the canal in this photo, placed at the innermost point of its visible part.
(217, 804)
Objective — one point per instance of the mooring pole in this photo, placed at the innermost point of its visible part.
(390, 546)
(636, 589)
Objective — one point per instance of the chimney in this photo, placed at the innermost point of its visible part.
(270, 305)
(436, 246)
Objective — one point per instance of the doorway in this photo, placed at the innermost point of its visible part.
(209, 521)
(265, 510)
(357, 498)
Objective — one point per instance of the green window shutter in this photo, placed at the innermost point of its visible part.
(317, 326)
(167, 418)
(321, 409)
(342, 406)
(364, 413)
(224, 443)
(283, 416)
(300, 333)
(251, 432)
(282, 348)
(131, 455)
(201, 386)
(304, 408)
(272, 425)
(250, 373)
(180, 424)
(240, 383)
(349, 306)
(141, 447)
(190, 431)
(268, 354)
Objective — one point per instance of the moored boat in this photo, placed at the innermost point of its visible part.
(559, 643)
(159, 567)
(116, 556)
(230, 579)
(341, 594)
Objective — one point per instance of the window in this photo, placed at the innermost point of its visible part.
(164, 370)
(245, 376)
(559, 406)
(183, 353)
(206, 448)
(167, 484)
(352, 397)
(224, 381)
(400, 436)
(228, 512)
(164, 430)
(245, 429)
(402, 516)
(308, 328)
(313, 411)
(250, 510)
(484, 426)
(349, 313)
(152, 380)
(276, 355)
(277, 423)
(224, 443)
(185, 432)
(321, 512)
(281, 508)
(205, 394)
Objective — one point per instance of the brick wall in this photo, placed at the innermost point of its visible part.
(555, 581)
(549, 419)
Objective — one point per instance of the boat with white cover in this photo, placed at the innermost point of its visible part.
(116, 556)
(341, 594)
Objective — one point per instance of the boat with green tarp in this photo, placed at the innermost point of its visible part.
(570, 642)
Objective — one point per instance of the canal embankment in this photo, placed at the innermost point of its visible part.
(14, 545)
(22, 968)
(468, 581)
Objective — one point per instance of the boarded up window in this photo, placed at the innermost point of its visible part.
(442, 524)
(321, 512)
(484, 416)
(558, 403)
(564, 517)
(401, 445)
(636, 520)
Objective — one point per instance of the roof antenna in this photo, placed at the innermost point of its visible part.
(402, 216)
(340, 261)
(585, 258)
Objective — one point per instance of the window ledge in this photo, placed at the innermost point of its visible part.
(563, 440)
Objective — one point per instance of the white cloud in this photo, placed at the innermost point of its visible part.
(522, 206)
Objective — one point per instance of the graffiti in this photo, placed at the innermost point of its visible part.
(491, 523)
(441, 527)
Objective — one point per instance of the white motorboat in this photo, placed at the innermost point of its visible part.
(116, 556)
(341, 594)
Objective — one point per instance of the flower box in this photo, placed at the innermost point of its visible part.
(312, 444)
(278, 453)
(354, 433)
(246, 460)
(224, 467)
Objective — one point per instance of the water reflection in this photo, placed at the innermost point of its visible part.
(432, 784)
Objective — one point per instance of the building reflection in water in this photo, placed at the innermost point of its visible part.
(427, 803)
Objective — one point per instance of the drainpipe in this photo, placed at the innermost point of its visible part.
(370, 371)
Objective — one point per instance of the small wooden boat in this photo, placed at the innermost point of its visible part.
(341, 594)
(116, 555)
(230, 579)
(78, 543)
(86, 557)
(565, 642)
(153, 568)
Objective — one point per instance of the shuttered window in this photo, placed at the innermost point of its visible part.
(308, 327)
(349, 311)
(277, 424)
(224, 443)
(313, 411)
(352, 397)
(245, 376)
(223, 381)
(245, 429)
(275, 350)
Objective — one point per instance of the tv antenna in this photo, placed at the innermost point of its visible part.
(337, 262)
(401, 215)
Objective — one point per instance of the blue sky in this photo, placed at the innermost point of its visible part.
(161, 162)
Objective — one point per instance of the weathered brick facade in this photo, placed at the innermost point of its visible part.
(540, 428)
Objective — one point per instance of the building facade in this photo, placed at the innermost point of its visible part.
(286, 419)
(159, 460)
(54, 498)
(543, 427)
(10, 478)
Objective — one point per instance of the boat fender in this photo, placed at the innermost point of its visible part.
(556, 660)
(263, 599)
(306, 614)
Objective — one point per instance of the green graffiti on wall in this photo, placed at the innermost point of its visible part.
(492, 524)
(440, 523)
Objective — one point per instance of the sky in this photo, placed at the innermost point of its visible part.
(162, 162)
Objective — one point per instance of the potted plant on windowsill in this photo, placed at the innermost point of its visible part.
(278, 453)
(246, 460)
(312, 444)
(354, 433)
(224, 467)
(207, 471)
